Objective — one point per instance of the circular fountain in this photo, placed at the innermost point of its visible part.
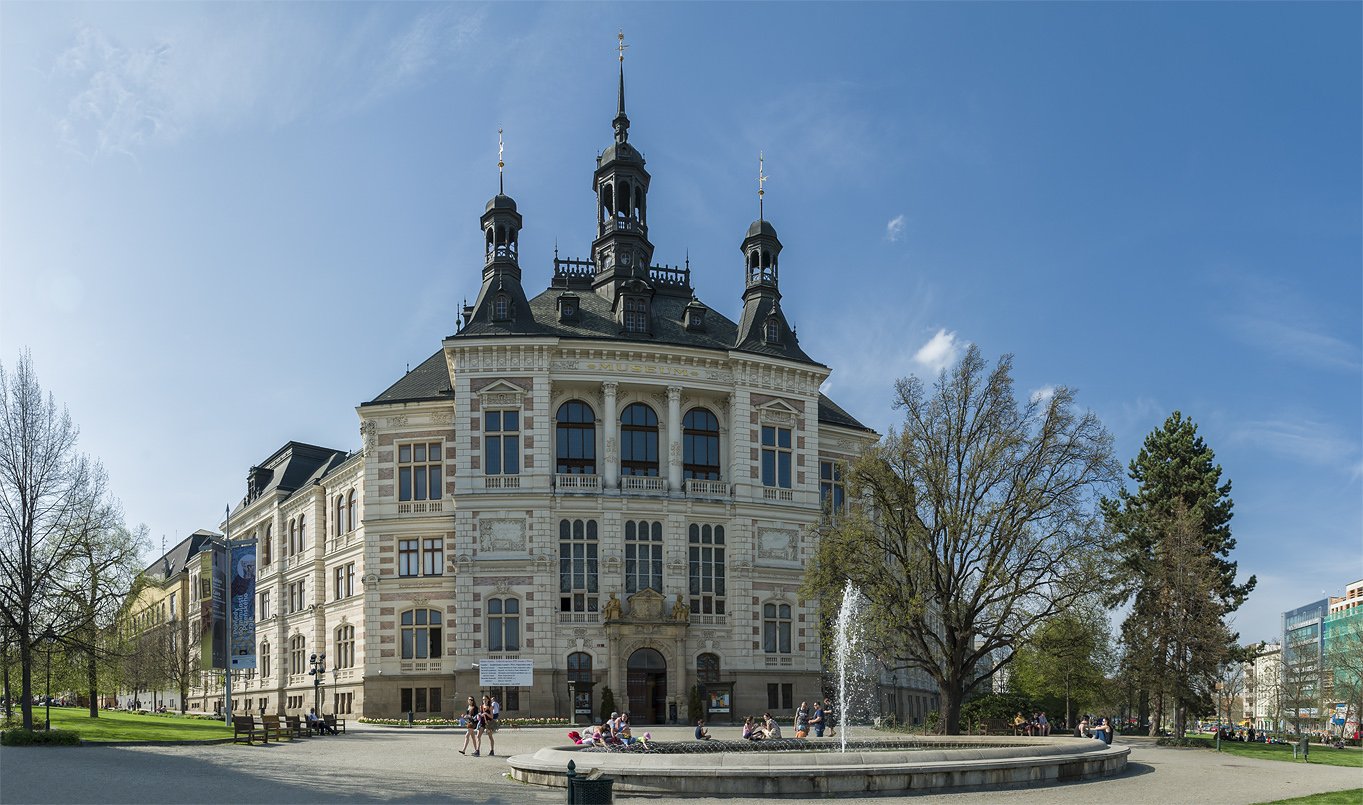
(851, 764)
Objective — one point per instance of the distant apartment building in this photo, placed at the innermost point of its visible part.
(1308, 683)
(1262, 698)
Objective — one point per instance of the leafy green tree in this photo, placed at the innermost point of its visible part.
(1066, 660)
(1174, 539)
(976, 523)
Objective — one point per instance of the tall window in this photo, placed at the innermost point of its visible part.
(350, 520)
(776, 628)
(337, 529)
(706, 554)
(296, 602)
(638, 441)
(345, 647)
(420, 634)
(772, 331)
(345, 580)
(832, 493)
(419, 471)
(293, 537)
(264, 612)
(266, 547)
(502, 442)
(579, 667)
(776, 456)
(700, 445)
(636, 315)
(302, 533)
(264, 659)
(409, 557)
(643, 555)
(707, 668)
(576, 439)
(503, 624)
(432, 556)
(577, 554)
(297, 648)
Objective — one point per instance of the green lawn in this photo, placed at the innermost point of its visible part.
(1351, 797)
(1320, 753)
(119, 726)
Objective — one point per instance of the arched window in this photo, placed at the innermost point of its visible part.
(293, 537)
(503, 624)
(576, 439)
(700, 445)
(345, 647)
(265, 659)
(639, 441)
(350, 520)
(420, 634)
(579, 667)
(771, 331)
(337, 529)
(267, 547)
(500, 307)
(643, 555)
(302, 532)
(776, 628)
(707, 668)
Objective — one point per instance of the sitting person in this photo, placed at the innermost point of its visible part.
(575, 736)
(770, 729)
(1083, 728)
(702, 734)
(317, 723)
(750, 732)
(1019, 724)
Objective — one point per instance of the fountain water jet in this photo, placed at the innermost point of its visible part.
(846, 651)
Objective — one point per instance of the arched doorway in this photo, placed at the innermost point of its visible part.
(647, 687)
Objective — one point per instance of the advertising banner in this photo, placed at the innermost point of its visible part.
(506, 673)
(243, 603)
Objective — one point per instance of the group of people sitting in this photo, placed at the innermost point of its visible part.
(614, 732)
(1037, 725)
(1100, 728)
(766, 729)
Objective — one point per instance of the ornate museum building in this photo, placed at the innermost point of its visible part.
(608, 479)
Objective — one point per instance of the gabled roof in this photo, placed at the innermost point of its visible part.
(177, 558)
(430, 380)
(833, 414)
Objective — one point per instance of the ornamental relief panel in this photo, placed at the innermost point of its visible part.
(501, 535)
(781, 544)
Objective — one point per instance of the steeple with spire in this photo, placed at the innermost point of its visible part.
(763, 326)
(501, 300)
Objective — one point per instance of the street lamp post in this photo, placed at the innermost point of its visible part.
(318, 663)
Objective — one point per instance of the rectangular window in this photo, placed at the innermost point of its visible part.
(773, 696)
(296, 602)
(788, 695)
(172, 606)
(832, 492)
(577, 566)
(643, 555)
(706, 569)
(419, 471)
(503, 624)
(501, 442)
(415, 700)
(264, 611)
(432, 556)
(343, 704)
(345, 581)
(776, 628)
(408, 557)
(776, 457)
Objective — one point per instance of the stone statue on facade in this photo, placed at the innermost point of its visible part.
(612, 609)
(680, 611)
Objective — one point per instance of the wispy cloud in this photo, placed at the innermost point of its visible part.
(939, 352)
(1274, 315)
(1042, 395)
(894, 230)
(1302, 440)
(1300, 342)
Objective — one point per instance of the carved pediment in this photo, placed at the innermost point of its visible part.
(646, 605)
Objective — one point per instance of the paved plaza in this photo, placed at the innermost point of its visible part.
(372, 764)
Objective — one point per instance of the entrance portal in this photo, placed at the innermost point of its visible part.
(647, 687)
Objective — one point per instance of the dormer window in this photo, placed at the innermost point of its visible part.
(694, 318)
(771, 330)
(501, 307)
(636, 315)
(568, 308)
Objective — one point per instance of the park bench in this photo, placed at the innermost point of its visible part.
(272, 727)
(296, 727)
(337, 724)
(995, 726)
(246, 726)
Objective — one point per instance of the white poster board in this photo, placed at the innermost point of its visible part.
(506, 673)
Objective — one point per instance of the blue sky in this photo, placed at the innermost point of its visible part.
(224, 226)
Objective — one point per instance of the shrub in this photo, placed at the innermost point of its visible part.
(607, 703)
(23, 737)
(693, 709)
(1194, 742)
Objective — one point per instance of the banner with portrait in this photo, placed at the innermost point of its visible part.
(243, 603)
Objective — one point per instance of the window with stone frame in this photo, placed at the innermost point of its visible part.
(501, 307)
(707, 668)
(501, 442)
(700, 445)
(344, 580)
(297, 600)
(409, 557)
(771, 330)
(265, 659)
(832, 491)
(776, 457)
(420, 700)
(503, 624)
(297, 655)
(421, 632)
(575, 439)
(433, 556)
(705, 555)
(638, 441)
(345, 646)
(302, 534)
(263, 611)
(578, 584)
(636, 315)
(267, 547)
(643, 555)
(351, 510)
(338, 516)
(579, 667)
(420, 470)
(776, 628)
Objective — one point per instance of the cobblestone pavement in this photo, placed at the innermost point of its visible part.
(418, 766)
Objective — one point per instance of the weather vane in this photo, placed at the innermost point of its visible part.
(501, 184)
(622, 46)
(761, 182)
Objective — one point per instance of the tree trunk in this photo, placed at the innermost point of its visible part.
(1143, 705)
(26, 680)
(1157, 715)
(92, 678)
(952, 699)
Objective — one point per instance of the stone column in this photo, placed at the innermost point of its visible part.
(674, 439)
(611, 419)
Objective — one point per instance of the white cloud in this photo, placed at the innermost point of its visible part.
(894, 230)
(1302, 440)
(1043, 395)
(939, 352)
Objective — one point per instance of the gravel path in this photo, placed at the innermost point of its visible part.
(419, 766)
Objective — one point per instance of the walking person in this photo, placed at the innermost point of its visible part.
(830, 719)
(816, 720)
(802, 721)
(470, 727)
(486, 727)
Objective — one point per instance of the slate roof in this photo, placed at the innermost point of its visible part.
(176, 558)
(430, 380)
(833, 414)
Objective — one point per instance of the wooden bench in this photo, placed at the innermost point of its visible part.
(246, 726)
(336, 724)
(272, 728)
(296, 727)
(995, 726)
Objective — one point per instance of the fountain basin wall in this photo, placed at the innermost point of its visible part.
(979, 762)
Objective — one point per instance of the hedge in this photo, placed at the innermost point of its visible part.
(23, 737)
